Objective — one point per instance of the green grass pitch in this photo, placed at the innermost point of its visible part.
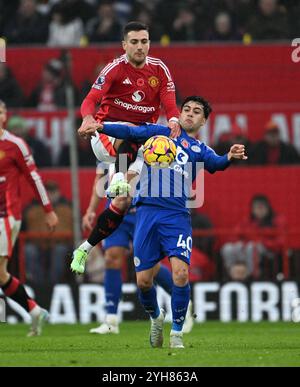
(209, 344)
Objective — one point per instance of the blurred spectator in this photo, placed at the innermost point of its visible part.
(202, 268)
(123, 9)
(18, 126)
(45, 258)
(64, 30)
(250, 243)
(50, 93)
(272, 150)
(243, 11)
(269, 23)
(186, 26)
(10, 90)
(223, 28)
(146, 17)
(44, 6)
(239, 271)
(294, 20)
(7, 11)
(105, 27)
(236, 136)
(27, 26)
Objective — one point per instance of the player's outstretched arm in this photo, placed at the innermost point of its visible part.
(237, 151)
(135, 133)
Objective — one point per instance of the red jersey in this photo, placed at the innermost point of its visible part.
(16, 160)
(132, 94)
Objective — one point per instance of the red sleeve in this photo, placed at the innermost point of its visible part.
(99, 88)
(26, 164)
(167, 92)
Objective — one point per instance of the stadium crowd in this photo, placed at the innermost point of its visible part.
(83, 22)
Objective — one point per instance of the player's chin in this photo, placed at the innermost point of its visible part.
(139, 58)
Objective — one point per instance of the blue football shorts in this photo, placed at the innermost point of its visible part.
(159, 233)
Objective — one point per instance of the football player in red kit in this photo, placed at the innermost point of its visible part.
(129, 89)
(16, 161)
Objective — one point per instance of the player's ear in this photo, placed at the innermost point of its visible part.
(124, 44)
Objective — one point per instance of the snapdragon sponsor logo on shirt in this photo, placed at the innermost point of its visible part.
(130, 106)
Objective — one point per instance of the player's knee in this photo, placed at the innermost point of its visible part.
(180, 276)
(144, 284)
(4, 276)
(113, 259)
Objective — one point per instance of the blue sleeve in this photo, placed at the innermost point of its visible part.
(212, 161)
(135, 133)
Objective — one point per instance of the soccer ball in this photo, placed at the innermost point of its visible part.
(159, 151)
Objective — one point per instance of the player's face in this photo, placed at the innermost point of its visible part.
(3, 117)
(192, 117)
(136, 46)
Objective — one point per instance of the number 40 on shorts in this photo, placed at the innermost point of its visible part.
(185, 244)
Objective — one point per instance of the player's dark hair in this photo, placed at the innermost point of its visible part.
(134, 26)
(195, 98)
(2, 104)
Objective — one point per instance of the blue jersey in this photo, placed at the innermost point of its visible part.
(170, 187)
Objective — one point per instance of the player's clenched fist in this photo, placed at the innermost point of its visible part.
(237, 151)
(174, 127)
(88, 127)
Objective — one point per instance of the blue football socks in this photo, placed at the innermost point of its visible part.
(113, 289)
(164, 279)
(179, 304)
(149, 301)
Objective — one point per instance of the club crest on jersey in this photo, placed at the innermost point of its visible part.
(136, 261)
(184, 143)
(2, 155)
(138, 96)
(140, 82)
(153, 81)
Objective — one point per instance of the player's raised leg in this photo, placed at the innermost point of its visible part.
(107, 222)
(180, 300)
(148, 298)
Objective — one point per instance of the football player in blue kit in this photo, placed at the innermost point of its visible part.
(116, 247)
(163, 225)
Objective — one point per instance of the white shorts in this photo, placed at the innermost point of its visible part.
(103, 148)
(9, 231)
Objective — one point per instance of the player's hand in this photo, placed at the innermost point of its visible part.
(88, 127)
(175, 128)
(88, 220)
(51, 220)
(237, 151)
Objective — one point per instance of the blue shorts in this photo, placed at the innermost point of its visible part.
(123, 235)
(159, 233)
